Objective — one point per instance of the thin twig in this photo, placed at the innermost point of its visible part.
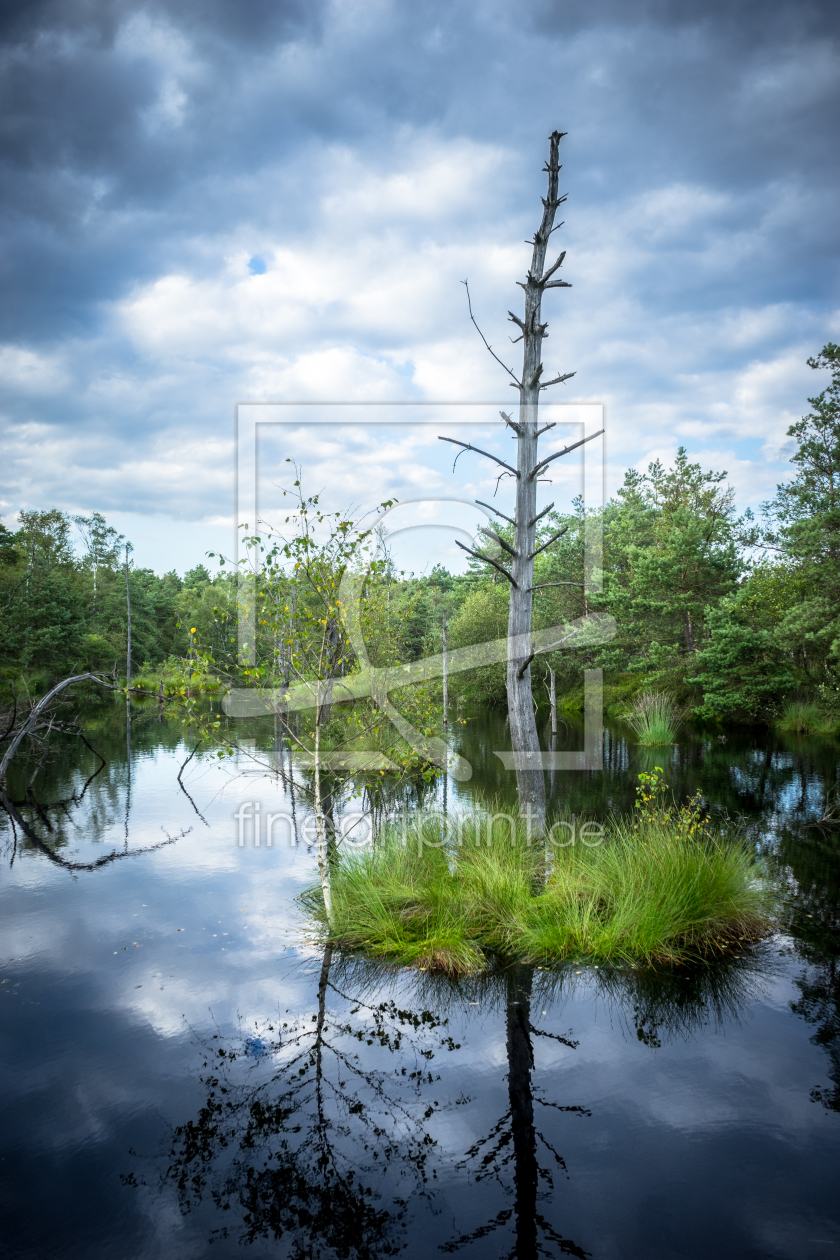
(465, 283)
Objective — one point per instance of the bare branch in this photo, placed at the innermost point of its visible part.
(483, 338)
(557, 284)
(40, 707)
(551, 425)
(516, 427)
(505, 546)
(515, 318)
(565, 451)
(490, 508)
(486, 560)
(498, 479)
(547, 276)
(551, 540)
(543, 585)
(468, 447)
(520, 673)
(540, 515)
(558, 380)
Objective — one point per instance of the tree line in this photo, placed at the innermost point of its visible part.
(732, 613)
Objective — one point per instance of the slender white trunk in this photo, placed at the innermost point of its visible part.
(321, 829)
(445, 675)
(128, 616)
(552, 695)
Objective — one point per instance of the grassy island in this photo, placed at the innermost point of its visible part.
(658, 887)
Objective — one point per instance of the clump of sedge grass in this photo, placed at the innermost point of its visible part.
(660, 886)
(803, 717)
(656, 718)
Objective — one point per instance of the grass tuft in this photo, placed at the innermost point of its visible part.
(656, 719)
(660, 887)
(803, 717)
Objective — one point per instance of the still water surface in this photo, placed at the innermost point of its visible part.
(186, 1074)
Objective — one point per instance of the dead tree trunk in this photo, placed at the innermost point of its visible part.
(445, 677)
(530, 780)
(128, 626)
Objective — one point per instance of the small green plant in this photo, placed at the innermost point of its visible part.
(653, 807)
(656, 719)
(804, 717)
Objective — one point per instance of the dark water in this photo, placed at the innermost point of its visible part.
(185, 1075)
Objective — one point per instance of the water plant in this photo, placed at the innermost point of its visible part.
(656, 718)
(804, 717)
(659, 886)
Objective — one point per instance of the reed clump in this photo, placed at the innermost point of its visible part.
(660, 886)
(656, 719)
(803, 717)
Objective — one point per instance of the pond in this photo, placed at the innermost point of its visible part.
(187, 1073)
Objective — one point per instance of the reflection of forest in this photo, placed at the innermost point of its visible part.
(810, 863)
(322, 1130)
(755, 774)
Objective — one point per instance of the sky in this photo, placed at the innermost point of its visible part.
(209, 203)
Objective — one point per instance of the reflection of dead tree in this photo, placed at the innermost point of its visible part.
(304, 1138)
(830, 811)
(31, 834)
(41, 719)
(515, 1137)
(184, 765)
(36, 726)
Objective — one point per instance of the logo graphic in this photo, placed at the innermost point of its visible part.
(318, 422)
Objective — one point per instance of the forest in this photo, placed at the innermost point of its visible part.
(736, 616)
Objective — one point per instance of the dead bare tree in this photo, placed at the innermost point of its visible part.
(517, 562)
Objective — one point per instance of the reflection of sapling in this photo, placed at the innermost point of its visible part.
(308, 1132)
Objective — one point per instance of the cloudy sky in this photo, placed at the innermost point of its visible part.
(209, 201)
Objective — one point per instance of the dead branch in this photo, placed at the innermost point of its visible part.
(490, 508)
(541, 514)
(551, 540)
(511, 423)
(469, 447)
(465, 283)
(520, 673)
(543, 585)
(486, 560)
(558, 380)
(490, 533)
(557, 454)
(31, 722)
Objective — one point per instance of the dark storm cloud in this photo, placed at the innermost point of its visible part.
(727, 93)
(146, 141)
